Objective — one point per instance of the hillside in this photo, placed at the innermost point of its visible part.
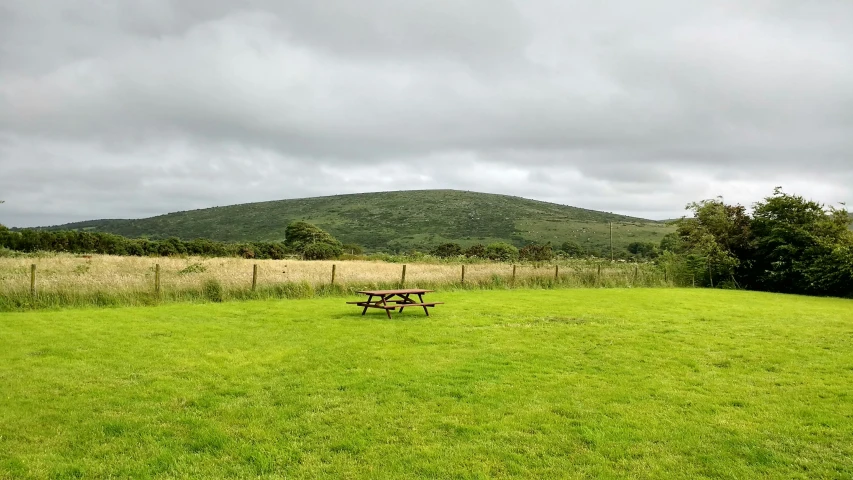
(397, 221)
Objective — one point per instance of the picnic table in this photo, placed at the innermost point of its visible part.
(393, 299)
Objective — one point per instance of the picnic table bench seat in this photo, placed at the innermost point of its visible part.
(393, 305)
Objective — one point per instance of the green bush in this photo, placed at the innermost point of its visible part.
(572, 249)
(501, 252)
(321, 251)
(194, 268)
(447, 250)
(212, 290)
(536, 253)
(476, 251)
(352, 249)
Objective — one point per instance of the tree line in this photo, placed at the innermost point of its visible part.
(301, 238)
(787, 244)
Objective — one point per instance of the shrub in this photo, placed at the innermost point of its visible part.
(476, 251)
(212, 290)
(644, 250)
(572, 249)
(448, 250)
(501, 252)
(321, 251)
(352, 249)
(536, 253)
(194, 268)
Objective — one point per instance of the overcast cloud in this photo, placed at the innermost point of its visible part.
(142, 107)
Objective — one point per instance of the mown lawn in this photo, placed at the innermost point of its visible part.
(538, 384)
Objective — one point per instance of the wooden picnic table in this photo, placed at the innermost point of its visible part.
(393, 299)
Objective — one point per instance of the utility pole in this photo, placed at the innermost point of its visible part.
(611, 242)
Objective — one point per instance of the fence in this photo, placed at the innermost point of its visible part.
(106, 281)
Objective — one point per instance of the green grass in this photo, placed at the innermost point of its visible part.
(636, 383)
(398, 221)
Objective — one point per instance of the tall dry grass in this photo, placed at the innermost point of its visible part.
(100, 280)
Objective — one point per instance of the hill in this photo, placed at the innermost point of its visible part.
(397, 221)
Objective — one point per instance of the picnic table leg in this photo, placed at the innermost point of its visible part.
(387, 312)
(365, 306)
(421, 298)
(405, 301)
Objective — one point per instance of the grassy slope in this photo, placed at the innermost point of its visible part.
(600, 383)
(397, 221)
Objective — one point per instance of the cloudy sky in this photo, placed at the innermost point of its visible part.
(128, 109)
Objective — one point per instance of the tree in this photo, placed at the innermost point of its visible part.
(501, 251)
(671, 242)
(572, 249)
(476, 251)
(321, 251)
(717, 237)
(298, 236)
(448, 250)
(643, 249)
(801, 247)
(352, 249)
(536, 252)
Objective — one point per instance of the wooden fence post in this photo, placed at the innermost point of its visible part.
(403, 280)
(254, 277)
(636, 273)
(33, 281)
(334, 267)
(665, 276)
(513, 274)
(463, 274)
(556, 272)
(157, 280)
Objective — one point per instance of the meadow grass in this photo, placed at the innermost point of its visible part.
(586, 383)
(65, 280)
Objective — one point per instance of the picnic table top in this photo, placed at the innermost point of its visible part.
(402, 291)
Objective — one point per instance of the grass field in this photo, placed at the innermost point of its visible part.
(639, 383)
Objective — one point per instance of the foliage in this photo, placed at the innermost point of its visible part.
(643, 249)
(477, 250)
(501, 252)
(801, 247)
(83, 242)
(352, 249)
(193, 268)
(448, 250)
(671, 242)
(321, 251)
(789, 245)
(312, 242)
(536, 252)
(572, 248)
(212, 289)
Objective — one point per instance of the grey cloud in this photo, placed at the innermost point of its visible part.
(629, 106)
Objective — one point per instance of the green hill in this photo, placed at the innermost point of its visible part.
(397, 221)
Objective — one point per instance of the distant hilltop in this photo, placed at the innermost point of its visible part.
(397, 221)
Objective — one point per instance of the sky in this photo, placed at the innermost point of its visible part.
(141, 107)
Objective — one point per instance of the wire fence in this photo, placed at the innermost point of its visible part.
(67, 280)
